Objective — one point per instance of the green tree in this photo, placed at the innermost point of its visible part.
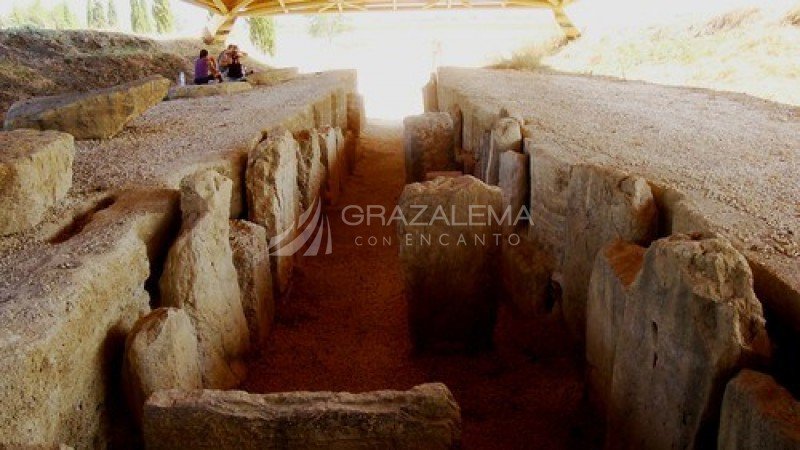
(141, 22)
(95, 14)
(63, 17)
(328, 26)
(112, 18)
(262, 33)
(34, 15)
(162, 12)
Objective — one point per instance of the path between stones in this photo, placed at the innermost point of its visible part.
(343, 328)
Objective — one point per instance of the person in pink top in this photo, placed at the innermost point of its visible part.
(205, 69)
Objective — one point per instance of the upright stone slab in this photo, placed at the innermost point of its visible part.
(350, 151)
(757, 412)
(603, 205)
(331, 159)
(449, 260)
(273, 198)
(615, 268)
(251, 259)
(428, 143)
(322, 110)
(35, 173)
(425, 417)
(341, 153)
(356, 119)
(200, 278)
(514, 186)
(339, 109)
(98, 114)
(691, 320)
(310, 170)
(506, 136)
(430, 99)
(526, 274)
(160, 353)
(458, 123)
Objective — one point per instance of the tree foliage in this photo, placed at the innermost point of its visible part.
(141, 21)
(162, 13)
(35, 15)
(96, 14)
(328, 26)
(262, 33)
(111, 14)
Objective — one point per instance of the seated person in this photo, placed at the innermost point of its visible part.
(235, 69)
(225, 59)
(205, 69)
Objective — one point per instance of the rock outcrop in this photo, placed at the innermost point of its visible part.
(199, 277)
(691, 320)
(449, 257)
(273, 199)
(506, 136)
(425, 417)
(251, 259)
(98, 114)
(35, 173)
(208, 90)
(160, 353)
(603, 205)
(757, 412)
(272, 77)
(428, 144)
(310, 169)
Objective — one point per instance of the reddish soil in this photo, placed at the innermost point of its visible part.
(343, 328)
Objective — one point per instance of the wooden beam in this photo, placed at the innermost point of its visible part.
(569, 29)
(221, 6)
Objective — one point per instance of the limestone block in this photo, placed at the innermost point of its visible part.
(331, 159)
(615, 268)
(514, 185)
(451, 289)
(98, 114)
(458, 123)
(526, 273)
(506, 136)
(603, 205)
(273, 198)
(251, 259)
(339, 109)
(323, 112)
(550, 171)
(208, 90)
(425, 417)
(35, 173)
(482, 152)
(691, 320)
(160, 353)
(200, 278)
(356, 118)
(428, 143)
(341, 153)
(430, 100)
(310, 170)
(757, 412)
(272, 77)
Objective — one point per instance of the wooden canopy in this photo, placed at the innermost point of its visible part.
(225, 12)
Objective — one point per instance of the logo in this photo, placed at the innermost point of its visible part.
(312, 230)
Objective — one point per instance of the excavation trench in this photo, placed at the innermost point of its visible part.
(343, 327)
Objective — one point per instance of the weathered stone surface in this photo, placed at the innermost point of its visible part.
(429, 99)
(458, 123)
(322, 110)
(603, 205)
(356, 118)
(550, 170)
(757, 412)
(200, 278)
(310, 169)
(430, 176)
(339, 109)
(350, 151)
(691, 320)
(425, 417)
(160, 353)
(273, 198)
(428, 142)
(526, 273)
(513, 183)
(331, 159)
(341, 153)
(98, 114)
(272, 77)
(451, 289)
(251, 259)
(35, 173)
(615, 268)
(506, 136)
(208, 90)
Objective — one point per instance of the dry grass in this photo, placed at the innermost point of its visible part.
(531, 56)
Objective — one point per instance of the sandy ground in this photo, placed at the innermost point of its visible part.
(343, 328)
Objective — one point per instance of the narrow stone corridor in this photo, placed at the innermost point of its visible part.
(343, 327)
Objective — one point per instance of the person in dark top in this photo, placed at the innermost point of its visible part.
(205, 69)
(235, 69)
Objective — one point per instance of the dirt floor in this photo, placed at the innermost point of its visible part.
(343, 328)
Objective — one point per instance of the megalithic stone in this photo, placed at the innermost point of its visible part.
(428, 144)
(506, 136)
